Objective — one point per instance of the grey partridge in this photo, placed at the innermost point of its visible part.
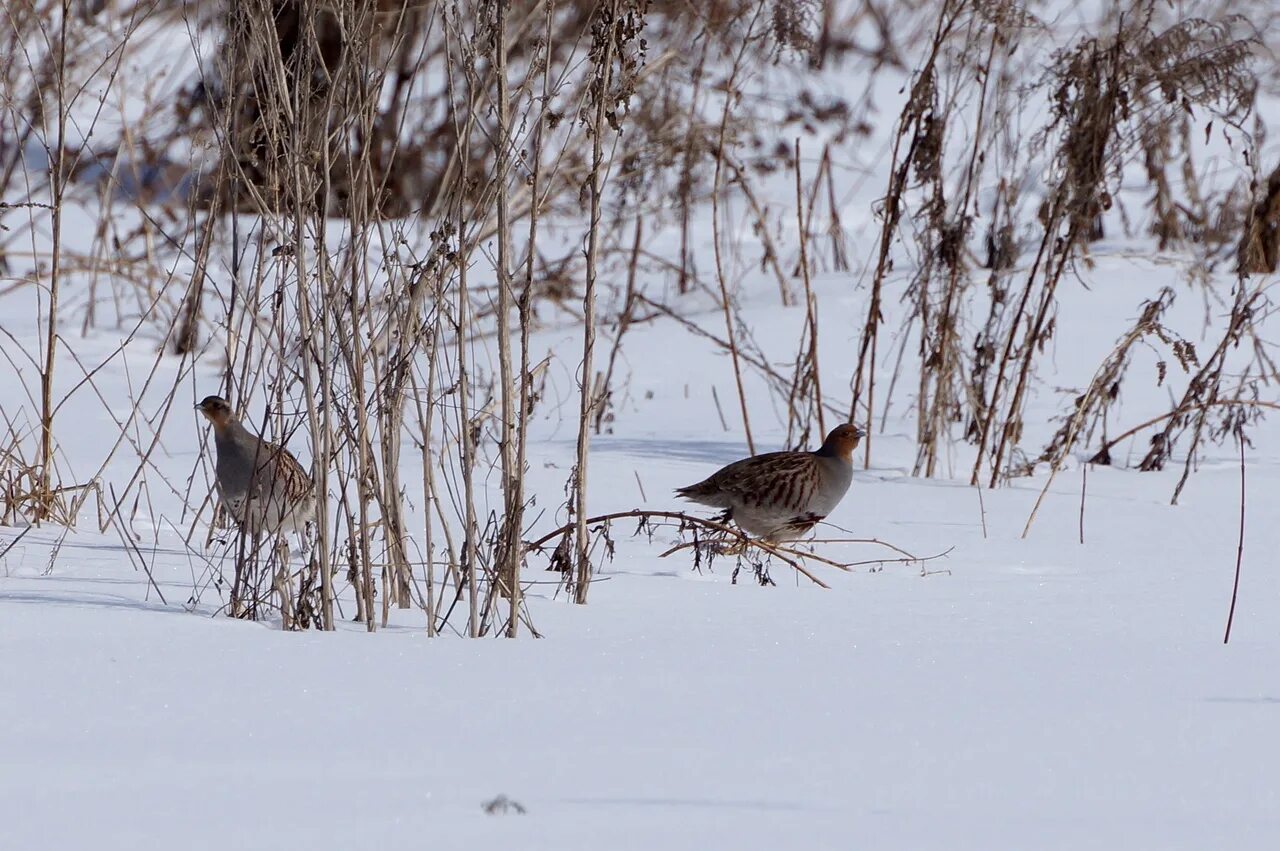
(261, 484)
(780, 496)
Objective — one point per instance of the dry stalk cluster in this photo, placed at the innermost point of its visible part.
(347, 201)
(357, 213)
(1114, 100)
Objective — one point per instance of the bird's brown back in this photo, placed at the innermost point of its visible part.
(784, 479)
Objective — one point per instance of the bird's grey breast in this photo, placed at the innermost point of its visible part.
(833, 482)
(236, 451)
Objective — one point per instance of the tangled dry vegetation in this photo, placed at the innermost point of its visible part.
(347, 202)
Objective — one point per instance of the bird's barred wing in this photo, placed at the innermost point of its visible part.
(279, 473)
(777, 478)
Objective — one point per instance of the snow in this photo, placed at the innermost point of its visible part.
(1034, 692)
(1042, 693)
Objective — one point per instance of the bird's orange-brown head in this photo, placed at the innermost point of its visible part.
(216, 410)
(841, 442)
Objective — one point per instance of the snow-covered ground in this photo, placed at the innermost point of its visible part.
(1026, 693)
(1042, 694)
(1036, 692)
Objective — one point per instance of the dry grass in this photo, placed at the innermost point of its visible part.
(348, 202)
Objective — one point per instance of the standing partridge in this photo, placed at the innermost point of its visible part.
(780, 496)
(263, 486)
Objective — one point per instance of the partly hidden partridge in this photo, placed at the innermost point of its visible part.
(780, 496)
(262, 486)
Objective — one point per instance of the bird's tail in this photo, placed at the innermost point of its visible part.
(702, 493)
